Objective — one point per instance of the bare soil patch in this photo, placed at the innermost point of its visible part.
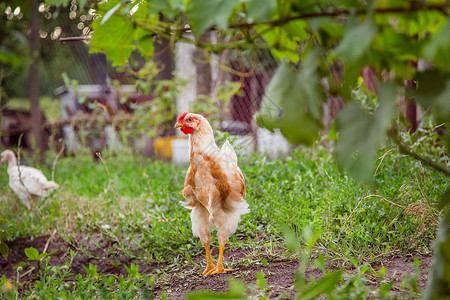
(185, 279)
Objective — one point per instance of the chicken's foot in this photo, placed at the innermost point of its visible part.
(218, 269)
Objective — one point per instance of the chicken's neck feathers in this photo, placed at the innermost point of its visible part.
(12, 168)
(202, 140)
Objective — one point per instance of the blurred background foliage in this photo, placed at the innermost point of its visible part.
(56, 58)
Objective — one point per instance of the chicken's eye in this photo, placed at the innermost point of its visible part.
(190, 120)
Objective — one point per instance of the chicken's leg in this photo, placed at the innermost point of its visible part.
(209, 264)
(218, 269)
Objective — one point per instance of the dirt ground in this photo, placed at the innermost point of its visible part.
(279, 274)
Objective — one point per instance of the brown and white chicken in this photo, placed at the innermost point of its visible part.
(214, 187)
(26, 182)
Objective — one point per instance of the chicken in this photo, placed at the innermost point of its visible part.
(214, 187)
(26, 182)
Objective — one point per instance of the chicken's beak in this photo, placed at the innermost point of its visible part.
(179, 125)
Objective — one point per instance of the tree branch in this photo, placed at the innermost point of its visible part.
(414, 7)
(395, 137)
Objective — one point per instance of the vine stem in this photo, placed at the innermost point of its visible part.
(414, 7)
(395, 137)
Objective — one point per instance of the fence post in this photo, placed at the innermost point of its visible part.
(36, 116)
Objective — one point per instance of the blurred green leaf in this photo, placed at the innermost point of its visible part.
(332, 133)
(260, 11)
(9, 58)
(57, 2)
(291, 238)
(4, 249)
(392, 3)
(110, 12)
(320, 263)
(117, 46)
(203, 14)
(438, 49)
(293, 102)
(429, 84)
(169, 8)
(237, 291)
(360, 134)
(398, 45)
(21, 264)
(144, 42)
(81, 3)
(261, 281)
(325, 285)
(357, 39)
(441, 105)
(433, 91)
(444, 200)
(352, 73)
(284, 40)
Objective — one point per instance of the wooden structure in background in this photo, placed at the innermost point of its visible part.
(36, 116)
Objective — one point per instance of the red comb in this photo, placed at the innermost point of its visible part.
(181, 118)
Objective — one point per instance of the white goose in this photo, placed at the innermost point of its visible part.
(26, 182)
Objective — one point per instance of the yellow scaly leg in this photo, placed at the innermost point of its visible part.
(209, 264)
(219, 268)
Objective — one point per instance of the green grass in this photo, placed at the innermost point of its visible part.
(129, 205)
(132, 201)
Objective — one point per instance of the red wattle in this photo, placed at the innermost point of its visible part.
(187, 130)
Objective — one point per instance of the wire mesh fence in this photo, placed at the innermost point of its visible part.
(78, 78)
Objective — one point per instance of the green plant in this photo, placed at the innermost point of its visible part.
(6, 232)
(216, 108)
(38, 263)
(59, 282)
(8, 289)
(155, 117)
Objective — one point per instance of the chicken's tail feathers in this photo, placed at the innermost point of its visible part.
(243, 207)
(51, 185)
(228, 150)
(190, 204)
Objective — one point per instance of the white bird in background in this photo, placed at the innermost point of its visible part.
(26, 182)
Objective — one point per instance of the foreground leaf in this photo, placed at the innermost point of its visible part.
(110, 12)
(438, 285)
(444, 200)
(258, 11)
(356, 40)
(203, 14)
(324, 286)
(4, 249)
(360, 134)
(117, 46)
(237, 291)
(433, 91)
(438, 50)
(293, 102)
